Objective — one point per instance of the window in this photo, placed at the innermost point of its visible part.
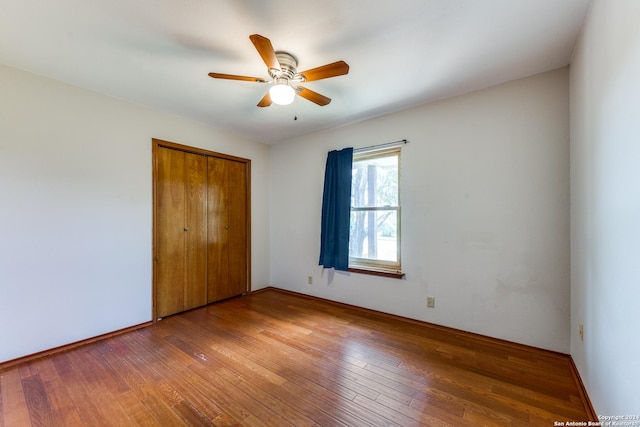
(374, 235)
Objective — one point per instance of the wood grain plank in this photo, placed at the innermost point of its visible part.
(64, 410)
(85, 403)
(178, 376)
(99, 384)
(37, 401)
(14, 403)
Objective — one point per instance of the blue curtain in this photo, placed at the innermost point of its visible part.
(336, 210)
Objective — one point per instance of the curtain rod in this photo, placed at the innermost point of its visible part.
(385, 145)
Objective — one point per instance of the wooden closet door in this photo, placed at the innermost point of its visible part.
(170, 220)
(195, 287)
(181, 231)
(227, 228)
(238, 227)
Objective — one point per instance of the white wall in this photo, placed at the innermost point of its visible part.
(76, 205)
(605, 200)
(485, 211)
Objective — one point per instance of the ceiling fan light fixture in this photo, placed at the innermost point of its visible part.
(281, 93)
(282, 68)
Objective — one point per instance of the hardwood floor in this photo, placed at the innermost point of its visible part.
(280, 359)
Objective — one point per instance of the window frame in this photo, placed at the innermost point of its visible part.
(373, 266)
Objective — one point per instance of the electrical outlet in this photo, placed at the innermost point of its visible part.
(310, 280)
(431, 302)
(581, 331)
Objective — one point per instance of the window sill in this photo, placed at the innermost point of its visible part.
(391, 274)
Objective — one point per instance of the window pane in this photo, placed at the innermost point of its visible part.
(375, 182)
(374, 239)
(373, 235)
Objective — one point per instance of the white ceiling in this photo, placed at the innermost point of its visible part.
(401, 53)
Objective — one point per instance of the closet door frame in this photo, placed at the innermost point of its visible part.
(156, 145)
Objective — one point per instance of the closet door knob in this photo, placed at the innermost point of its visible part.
(186, 229)
(226, 227)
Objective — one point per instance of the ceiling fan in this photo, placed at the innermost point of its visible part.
(285, 77)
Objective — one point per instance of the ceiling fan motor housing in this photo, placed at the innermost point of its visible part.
(288, 64)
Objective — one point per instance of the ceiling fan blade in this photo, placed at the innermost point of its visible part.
(334, 69)
(266, 51)
(312, 96)
(265, 101)
(234, 77)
